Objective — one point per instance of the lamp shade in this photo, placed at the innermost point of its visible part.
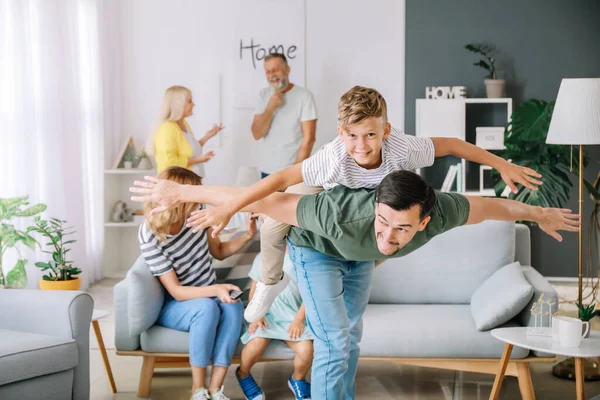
(576, 116)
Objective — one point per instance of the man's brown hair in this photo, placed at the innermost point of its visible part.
(360, 103)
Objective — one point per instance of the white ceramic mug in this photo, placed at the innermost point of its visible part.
(570, 331)
(555, 329)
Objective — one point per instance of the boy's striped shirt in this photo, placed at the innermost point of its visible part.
(186, 253)
(332, 165)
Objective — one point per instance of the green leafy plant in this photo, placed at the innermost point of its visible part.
(10, 237)
(586, 313)
(525, 144)
(486, 51)
(58, 268)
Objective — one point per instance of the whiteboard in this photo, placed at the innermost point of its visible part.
(262, 27)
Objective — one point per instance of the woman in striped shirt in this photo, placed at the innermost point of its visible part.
(194, 302)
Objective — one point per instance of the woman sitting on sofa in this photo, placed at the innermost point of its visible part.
(194, 302)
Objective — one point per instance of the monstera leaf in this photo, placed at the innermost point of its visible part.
(525, 142)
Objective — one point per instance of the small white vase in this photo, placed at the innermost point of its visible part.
(128, 164)
(494, 88)
(144, 163)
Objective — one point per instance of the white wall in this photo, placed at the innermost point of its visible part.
(188, 42)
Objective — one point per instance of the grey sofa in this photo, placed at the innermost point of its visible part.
(419, 310)
(44, 344)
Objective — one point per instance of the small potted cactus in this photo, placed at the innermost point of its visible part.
(586, 313)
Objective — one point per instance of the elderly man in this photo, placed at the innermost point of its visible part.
(335, 236)
(285, 119)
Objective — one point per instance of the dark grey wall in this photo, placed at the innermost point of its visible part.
(538, 42)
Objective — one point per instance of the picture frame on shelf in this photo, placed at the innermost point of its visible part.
(486, 183)
(126, 157)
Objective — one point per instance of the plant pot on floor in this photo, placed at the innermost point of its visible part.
(494, 88)
(72, 284)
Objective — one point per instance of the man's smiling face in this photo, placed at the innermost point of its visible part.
(395, 229)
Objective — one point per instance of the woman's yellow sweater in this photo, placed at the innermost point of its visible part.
(171, 147)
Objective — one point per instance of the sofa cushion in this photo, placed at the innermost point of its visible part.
(428, 330)
(145, 298)
(159, 339)
(25, 355)
(448, 269)
(501, 297)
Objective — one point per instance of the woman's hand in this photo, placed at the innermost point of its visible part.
(261, 323)
(155, 190)
(251, 228)
(296, 328)
(222, 291)
(207, 157)
(512, 173)
(216, 128)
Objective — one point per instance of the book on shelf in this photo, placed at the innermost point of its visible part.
(459, 177)
(449, 179)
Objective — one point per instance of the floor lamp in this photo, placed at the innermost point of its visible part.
(576, 121)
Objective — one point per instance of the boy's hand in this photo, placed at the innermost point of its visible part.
(217, 217)
(222, 291)
(558, 219)
(296, 328)
(162, 191)
(261, 323)
(512, 173)
(251, 225)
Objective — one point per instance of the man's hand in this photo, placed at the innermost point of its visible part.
(162, 191)
(558, 219)
(512, 173)
(261, 323)
(296, 328)
(275, 101)
(217, 217)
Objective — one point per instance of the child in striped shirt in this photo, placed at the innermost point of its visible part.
(364, 152)
(194, 302)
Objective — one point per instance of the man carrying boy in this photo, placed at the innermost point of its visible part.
(361, 225)
(364, 152)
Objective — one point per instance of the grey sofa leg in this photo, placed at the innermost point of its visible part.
(525, 384)
(146, 376)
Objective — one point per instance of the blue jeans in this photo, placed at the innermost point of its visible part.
(335, 294)
(214, 327)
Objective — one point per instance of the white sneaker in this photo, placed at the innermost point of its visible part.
(200, 394)
(264, 296)
(219, 395)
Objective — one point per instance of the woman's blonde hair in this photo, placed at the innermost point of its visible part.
(171, 109)
(160, 224)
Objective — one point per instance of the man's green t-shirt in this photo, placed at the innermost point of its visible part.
(340, 223)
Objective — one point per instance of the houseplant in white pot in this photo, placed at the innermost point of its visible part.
(494, 87)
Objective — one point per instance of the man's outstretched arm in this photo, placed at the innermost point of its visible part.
(550, 220)
(167, 194)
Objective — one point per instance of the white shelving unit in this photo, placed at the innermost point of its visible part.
(447, 118)
(121, 247)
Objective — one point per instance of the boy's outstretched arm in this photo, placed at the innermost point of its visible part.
(166, 193)
(511, 173)
(550, 220)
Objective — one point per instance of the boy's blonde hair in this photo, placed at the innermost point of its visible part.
(360, 103)
(160, 224)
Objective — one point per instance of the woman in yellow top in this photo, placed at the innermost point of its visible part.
(174, 141)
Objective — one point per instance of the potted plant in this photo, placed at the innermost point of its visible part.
(60, 271)
(144, 161)
(10, 236)
(128, 159)
(586, 313)
(494, 87)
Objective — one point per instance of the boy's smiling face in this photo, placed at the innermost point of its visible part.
(363, 141)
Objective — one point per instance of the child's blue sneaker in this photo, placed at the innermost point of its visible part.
(250, 387)
(300, 388)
